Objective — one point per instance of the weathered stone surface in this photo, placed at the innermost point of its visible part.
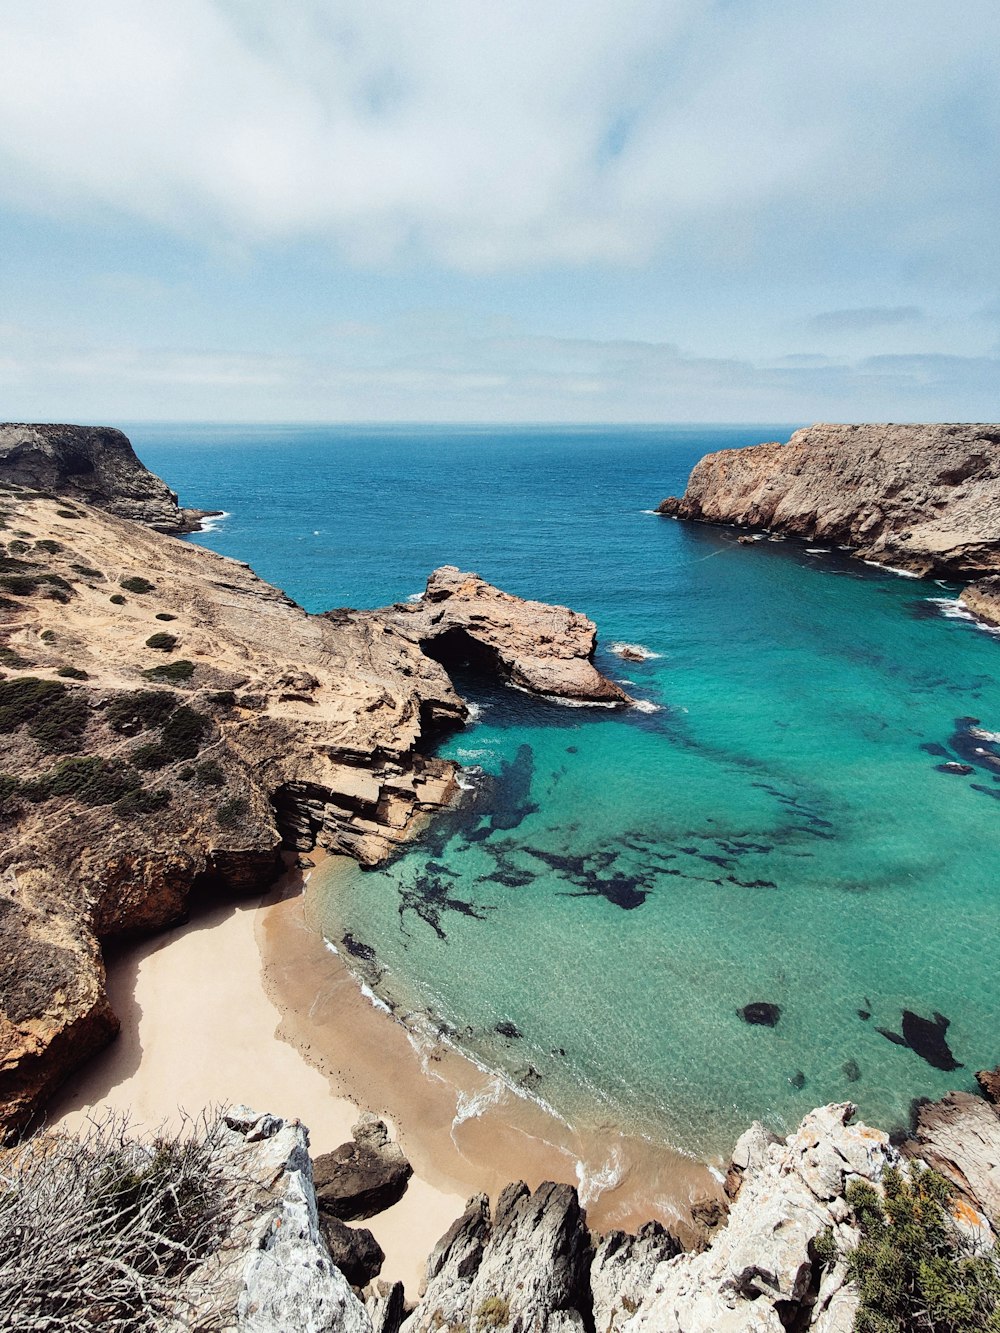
(960, 1137)
(274, 1272)
(761, 1271)
(92, 463)
(544, 649)
(982, 598)
(527, 1269)
(363, 1177)
(989, 1081)
(354, 1250)
(921, 497)
(386, 1307)
(622, 1270)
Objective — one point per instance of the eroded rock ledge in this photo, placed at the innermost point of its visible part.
(925, 498)
(171, 722)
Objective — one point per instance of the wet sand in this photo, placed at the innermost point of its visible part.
(464, 1130)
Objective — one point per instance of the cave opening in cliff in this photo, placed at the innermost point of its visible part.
(458, 651)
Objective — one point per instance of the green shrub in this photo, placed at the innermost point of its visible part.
(117, 599)
(913, 1268)
(47, 544)
(67, 513)
(142, 802)
(9, 657)
(165, 615)
(21, 585)
(233, 810)
(26, 698)
(72, 673)
(150, 756)
(18, 547)
(89, 779)
(224, 698)
(60, 725)
(139, 710)
(166, 643)
(210, 774)
(187, 772)
(87, 571)
(48, 636)
(184, 731)
(135, 583)
(10, 790)
(494, 1312)
(182, 669)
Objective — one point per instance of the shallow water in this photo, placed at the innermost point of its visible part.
(619, 885)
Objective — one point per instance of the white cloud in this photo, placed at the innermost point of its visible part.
(486, 134)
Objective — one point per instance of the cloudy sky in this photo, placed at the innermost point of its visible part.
(459, 210)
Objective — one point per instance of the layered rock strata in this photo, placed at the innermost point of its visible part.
(925, 498)
(171, 722)
(95, 464)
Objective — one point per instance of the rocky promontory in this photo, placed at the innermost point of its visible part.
(173, 724)
(925, 498)
(95, 464)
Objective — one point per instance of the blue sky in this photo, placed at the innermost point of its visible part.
(605, 210)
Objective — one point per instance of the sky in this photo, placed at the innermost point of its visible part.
(503, 211)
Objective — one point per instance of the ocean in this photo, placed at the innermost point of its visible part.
(771, 829)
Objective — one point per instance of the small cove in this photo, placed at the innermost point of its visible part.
(618, 887)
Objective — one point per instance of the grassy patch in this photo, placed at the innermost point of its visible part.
(135, 583)
(163, 642)
(87, 571)
(182, 669)
(210, 774)
(232, 811)
(142, 802)
(72, 673)
(47, 544)
(9, 657)
(139, 710)
(55, 718)
(90, 779)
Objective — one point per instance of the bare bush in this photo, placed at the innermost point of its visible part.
(101, 1230)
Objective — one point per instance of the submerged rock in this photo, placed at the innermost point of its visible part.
(363, 1177)
(760, 1013)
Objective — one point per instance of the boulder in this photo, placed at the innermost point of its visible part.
(363, 1177)
(959, 1136)
(354, 1250)
(989, 1081)
(526, 1268)
(622, 1270)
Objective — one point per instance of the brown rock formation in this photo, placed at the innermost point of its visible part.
(982, 598)
(543, 649)
(959, 1136)
(921, 497)
(171, 721)
(95, 464)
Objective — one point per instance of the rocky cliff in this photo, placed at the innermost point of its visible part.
(171, 722)
(925, 498)
(95, 464)
(530, 1263)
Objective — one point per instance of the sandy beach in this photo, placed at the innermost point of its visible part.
(198, 1029)
(246, 1003)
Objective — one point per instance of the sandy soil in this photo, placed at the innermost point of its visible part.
(198, 1029)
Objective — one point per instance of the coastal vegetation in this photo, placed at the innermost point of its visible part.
(102, 1230)
(913, 1267)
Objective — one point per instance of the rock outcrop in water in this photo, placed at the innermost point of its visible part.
(546, 650)
(95, 464)
(172, 723)
(925, 498)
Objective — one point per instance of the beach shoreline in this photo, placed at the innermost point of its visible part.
(284, 1026)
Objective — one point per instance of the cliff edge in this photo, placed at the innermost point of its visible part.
(925, 498)
(96, 464)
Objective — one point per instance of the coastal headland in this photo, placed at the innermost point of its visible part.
(922, 498)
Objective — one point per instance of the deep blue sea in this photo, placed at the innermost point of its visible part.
(622, 885)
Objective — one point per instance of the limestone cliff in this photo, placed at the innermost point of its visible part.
(921, 497)
(172, 722)
(95, 464)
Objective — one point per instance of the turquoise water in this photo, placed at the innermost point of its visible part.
(620, 885)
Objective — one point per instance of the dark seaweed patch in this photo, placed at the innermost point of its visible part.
(851, 1070)
(925, 1037)
(506, 1028)
(357, 949)
(428, 899)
